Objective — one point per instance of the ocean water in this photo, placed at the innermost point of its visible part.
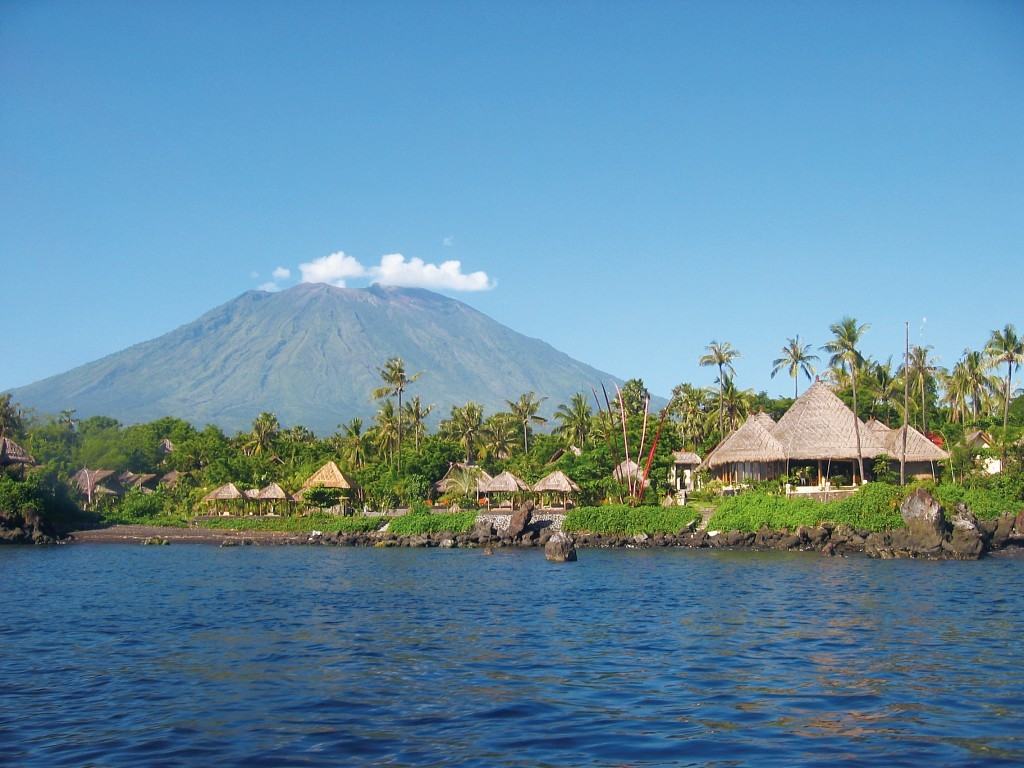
(117, 655)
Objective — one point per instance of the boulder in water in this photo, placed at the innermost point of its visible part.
(560, 548)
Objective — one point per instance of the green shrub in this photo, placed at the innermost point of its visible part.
(417, 523)
(623, 520)
(985, 502)
(302, 524)
(874, 507)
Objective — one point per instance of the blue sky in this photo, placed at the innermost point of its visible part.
(636, 179)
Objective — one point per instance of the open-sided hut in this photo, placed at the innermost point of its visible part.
(921, 456)
(13, 454)
(96, 483)
(273, 498)
(629, 471)
(504, 484)
(328, 476)
(684, 470)
(750, 453)
(454, 478)
(557, 483)
(225, 499)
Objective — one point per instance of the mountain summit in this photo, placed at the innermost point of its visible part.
(311, 354)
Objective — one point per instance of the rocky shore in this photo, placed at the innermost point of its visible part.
(927, 535)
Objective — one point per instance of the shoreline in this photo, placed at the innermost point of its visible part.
(825, 540)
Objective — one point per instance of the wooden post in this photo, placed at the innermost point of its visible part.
(906, 402)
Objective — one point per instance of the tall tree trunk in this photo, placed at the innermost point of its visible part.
(526, 446)
(721, 435)
(399, 430)
(856, 422)
(1006, 405)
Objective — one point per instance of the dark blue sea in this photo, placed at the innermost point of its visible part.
(117, 655)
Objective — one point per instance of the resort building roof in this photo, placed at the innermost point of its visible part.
(328, 476)
(506, 482)
(752, 442)
(820, 426)
(919, 447)
(12, 453)
(227, 492)
(556, 482)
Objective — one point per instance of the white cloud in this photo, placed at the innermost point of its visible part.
(272, 287)
(394, 269)
(334, 269)
(281, 273)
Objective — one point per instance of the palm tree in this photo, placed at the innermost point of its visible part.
(464, 426)
(733, 403)
(12, 419)
(498, 435)
(720, 356)
(884, 386)
(846, 336)
(1006, 346)
(574, 420)
(690, 405)
(355, 443)
(395, 382)
(386, 432)
(796, 358)
(957, 393)
(525, 410)
(978, 384)
(416, 414)
(922, 369)
(265, 429)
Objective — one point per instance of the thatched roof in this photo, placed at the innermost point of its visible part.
(506, 482)
(765, 420)
(978, 438)
(12, 453)
(272, 492)
(557, 482)
(626, 469)
(919, 447)
(751, 442)
(166, 446)
(482, 478)
(820, 426)
(328, 476)
(91, 481)
(172, 478)
(252, 494)
(878, 429)
(227, 492)
(132, 480)
(686, 457)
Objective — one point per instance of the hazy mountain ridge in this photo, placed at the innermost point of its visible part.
(311, 355)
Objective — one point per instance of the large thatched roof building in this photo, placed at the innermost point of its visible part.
(818, 431)
(12, 453)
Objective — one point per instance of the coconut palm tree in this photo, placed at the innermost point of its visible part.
(575, 420)
(956, 393)
(395, 383)
(386, 432)
(265, 429)
(884, 386)
(1006, 346)
(733, 403)
(796, 359)
(691, 405)
(846, 337)
(525, 410)
(416, 413)
(498, 435)
(922, 370)
(720, 356)
(355, 443)
(980, 386)
(464, 426)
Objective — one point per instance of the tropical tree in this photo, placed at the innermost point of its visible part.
(1006, 346)
(635, 397)
(464, 427)
(720, 356)
(575, 420)
(12, 419)
(884, 386)
(386, 431)
(498, 435)
(525, 411)
(395, 383)
(977, 382)
(265, 428)
(796, 359)
(355, 444)
(733, 403)
(415, 414)
(691, 406)
(922, 370)
(846, 337)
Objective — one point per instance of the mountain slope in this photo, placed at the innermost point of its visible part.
(311, 354)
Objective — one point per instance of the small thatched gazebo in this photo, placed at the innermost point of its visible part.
(557, 482)
(328, 476)
(11, 453)
(506, 482)
(684, 470)
(93, 483)
(272, 495)
(751, 453)
(224, 498)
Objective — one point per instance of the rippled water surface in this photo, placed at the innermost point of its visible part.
(193, 655)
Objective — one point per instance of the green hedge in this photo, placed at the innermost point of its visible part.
(875, 507)
(299, 524)
(986, 503)
(417, 523)
(623, 520)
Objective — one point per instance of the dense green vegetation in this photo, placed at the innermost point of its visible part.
(298, 524)
(624, 520)
(417, 523)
